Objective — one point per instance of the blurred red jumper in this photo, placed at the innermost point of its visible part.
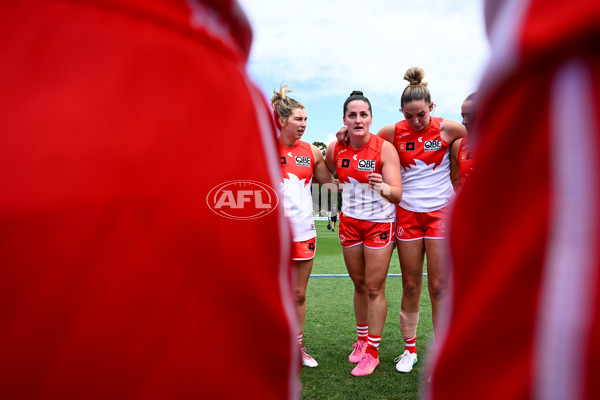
(524, 317)
(116, 279)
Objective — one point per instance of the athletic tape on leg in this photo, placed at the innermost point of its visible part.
(408, 324)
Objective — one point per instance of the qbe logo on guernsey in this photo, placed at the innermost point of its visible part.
(302, 161)
(433, 145)
(366, 165)
(242, 199)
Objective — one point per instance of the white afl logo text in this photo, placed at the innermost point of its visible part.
(242, 199)
(400, 231)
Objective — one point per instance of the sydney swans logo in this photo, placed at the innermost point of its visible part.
(242, 199)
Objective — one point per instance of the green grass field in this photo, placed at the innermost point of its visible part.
(330, 331)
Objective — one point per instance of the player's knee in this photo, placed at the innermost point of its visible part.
(300, 297)
(411, 289)
(360, 287)
(436, 289)
(374, 292)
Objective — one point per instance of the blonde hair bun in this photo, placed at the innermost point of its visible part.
(414, 76)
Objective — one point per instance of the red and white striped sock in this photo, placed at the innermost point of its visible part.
(373, 345)
(410, 344)
(363, 331)
(300, 338)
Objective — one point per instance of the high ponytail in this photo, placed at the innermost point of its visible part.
(416, 89)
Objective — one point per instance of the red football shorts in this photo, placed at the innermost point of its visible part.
(304, 250)
(374, 235)
(412, 225)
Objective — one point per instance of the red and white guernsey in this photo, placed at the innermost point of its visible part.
(425, 164)
(297, 163)
(359, 200)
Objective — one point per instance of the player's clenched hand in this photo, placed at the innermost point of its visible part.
(376, 182)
